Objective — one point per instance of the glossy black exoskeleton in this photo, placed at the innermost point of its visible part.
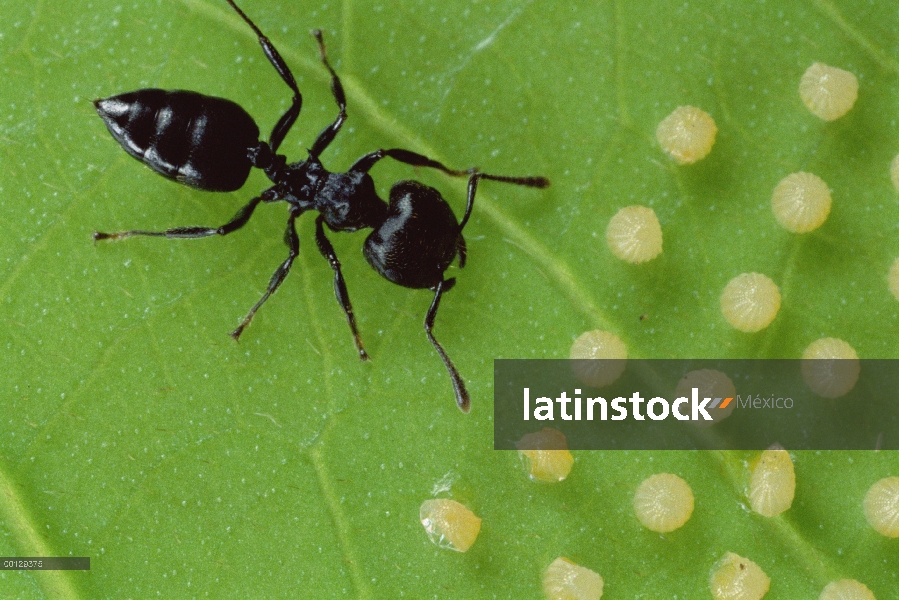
(212, 144)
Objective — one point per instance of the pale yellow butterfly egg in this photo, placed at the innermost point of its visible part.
(893, 279)
(546, 454)
(773, 483)
(801, 202)
(687, 134)
(565, 580)
(846, 589)
(827, 91)
(709, 383)
(882, 506)
(750, 302)
(634, 234)
(894, 172)
(663, 502)
(830, 367)
(593, 345)
(449, 524)
(737, 578)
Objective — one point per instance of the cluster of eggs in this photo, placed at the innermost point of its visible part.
(800, 202)
(663, 503)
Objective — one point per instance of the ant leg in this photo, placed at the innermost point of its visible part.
(293, 244)
(327, 250)
(328, 133)
(537, 182)
(239, 220)
(463, 400)
(418, 160)
(271, 53)
(405, 156)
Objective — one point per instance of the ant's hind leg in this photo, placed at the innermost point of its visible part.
(239, 220)
(365, 163)
(343, 297)
(463, 400)
(537, 182)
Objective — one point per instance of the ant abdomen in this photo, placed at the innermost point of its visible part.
(418, 240)
(198, 140)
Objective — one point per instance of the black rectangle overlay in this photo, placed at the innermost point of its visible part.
(45, 563)
(789, 403)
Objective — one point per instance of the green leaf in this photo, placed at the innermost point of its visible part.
(133, 430)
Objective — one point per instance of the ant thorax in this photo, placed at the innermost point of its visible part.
(348, 201)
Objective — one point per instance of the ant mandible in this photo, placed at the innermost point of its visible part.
(211, 144)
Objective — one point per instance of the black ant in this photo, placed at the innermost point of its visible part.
(212, 143)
